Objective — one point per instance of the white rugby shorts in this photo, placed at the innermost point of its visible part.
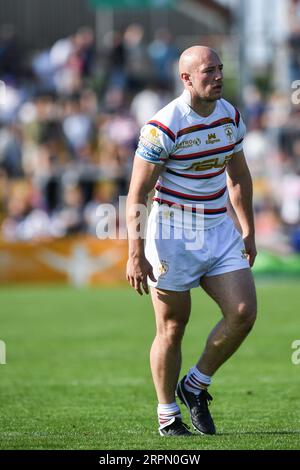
(181, 257)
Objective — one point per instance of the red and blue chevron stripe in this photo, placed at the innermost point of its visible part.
(201, 127)
(164, 129)
(206, 153)
(196, 177)
(190, 197)
(193, 209)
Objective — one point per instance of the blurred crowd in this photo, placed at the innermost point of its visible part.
(69, 125)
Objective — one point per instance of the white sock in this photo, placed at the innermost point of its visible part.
(167, 413)
(195, 381)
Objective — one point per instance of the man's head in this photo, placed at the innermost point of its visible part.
(200, 70)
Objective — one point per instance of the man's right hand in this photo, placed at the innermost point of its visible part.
(138, 269)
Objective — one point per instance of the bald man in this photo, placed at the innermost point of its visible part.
(191, 152)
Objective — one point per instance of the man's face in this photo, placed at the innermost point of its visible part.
(207, 78)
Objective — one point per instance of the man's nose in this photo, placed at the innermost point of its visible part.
(219, 75)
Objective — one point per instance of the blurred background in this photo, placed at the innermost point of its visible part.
(78, 80)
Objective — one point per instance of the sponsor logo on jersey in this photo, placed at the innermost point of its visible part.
(229, 133)
(211, 163)
(148, 154)
(152, 135)
(212, 138)
(150, 146)
(188, 143)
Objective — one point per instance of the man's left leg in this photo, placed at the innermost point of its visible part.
(234, 292)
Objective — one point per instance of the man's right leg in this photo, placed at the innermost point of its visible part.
(172, 310)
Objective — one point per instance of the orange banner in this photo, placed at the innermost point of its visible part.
(79, 261)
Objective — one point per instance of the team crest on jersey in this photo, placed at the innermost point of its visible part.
(163, 268)
(188, 143)
(212, 138)
(229, 133)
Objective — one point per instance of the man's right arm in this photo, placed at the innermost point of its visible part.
(143, 179)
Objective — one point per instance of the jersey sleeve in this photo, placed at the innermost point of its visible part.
(155, 143)
(241, 131)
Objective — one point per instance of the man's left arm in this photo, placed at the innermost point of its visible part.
(239, 184)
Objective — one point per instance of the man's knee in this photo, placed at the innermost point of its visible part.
(245, 315)
(172, 331)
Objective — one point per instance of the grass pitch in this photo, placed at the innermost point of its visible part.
(78, 377)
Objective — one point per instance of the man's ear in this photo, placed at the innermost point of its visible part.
(186, 78)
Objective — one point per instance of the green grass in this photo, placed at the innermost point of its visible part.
(77, 373)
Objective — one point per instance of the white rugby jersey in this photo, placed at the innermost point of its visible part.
(194, 151)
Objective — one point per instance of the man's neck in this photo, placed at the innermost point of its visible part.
(202, 107)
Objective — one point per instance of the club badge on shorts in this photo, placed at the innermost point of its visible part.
(163, 268)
